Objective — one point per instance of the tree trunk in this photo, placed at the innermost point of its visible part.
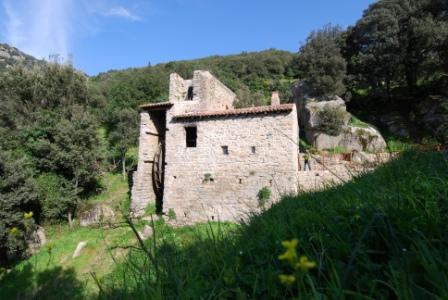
(123, 164)
(70, 220)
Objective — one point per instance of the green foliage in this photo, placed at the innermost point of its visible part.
(321, 63)
(122, 132)
(399, 145)
(397, 42)
(18, 194)
(303, 145)
(264, 195)
(51, 136)
(207, 177)
(354, 121)
(331, 120)
(339, 150)
(57, 196)
(66, 144)
(171, 214)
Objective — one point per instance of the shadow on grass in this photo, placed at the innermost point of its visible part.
(382, 235)
(55, 283)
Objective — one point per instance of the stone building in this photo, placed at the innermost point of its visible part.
(204, 159)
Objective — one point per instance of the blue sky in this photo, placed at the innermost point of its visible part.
(115, 34)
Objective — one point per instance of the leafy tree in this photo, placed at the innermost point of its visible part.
(321, 63)
(64, 143)
(395, 41)
(123, 133)
(46, 134)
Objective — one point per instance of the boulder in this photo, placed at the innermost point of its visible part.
(79, 248)
(96, 215)
(146, 233)
(353, 138)
(321, 140)
(37, 239)
(362, 139)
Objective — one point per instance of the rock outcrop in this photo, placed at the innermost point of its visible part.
(96, 215)
(10, 56)
(350, 137)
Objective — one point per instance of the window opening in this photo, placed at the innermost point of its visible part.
(191, 136)
(253, 149)
(225, 150)
(190, 93)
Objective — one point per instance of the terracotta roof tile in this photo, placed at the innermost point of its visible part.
(239, 111)
(155, 106)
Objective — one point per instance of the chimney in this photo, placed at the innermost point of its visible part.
(275, 98)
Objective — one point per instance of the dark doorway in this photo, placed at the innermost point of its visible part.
(190, 93)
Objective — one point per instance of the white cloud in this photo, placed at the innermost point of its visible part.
(39, 27)
(44, 27)
(122, 12)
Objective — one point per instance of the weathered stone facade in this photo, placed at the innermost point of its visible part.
(236, 152)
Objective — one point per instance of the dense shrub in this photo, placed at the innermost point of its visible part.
(264, 195)
(331, 120)
(57, 196)
(18, 194)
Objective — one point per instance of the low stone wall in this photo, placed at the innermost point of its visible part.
(332, 169)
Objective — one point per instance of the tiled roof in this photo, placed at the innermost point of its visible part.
(155, 106)
(240, 111)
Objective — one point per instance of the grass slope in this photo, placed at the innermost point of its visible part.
(381, 236)
(52, 273)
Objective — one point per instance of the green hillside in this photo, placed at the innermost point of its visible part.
(253, 76)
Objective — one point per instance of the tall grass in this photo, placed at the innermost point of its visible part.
(381, 236)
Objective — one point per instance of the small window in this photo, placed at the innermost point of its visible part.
(191, 136)
(253, 149)
(190, 93)
(225, 150)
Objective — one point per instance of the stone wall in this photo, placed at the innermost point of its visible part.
(209, 93)
(203, 183)
(328, 170)
(213, 94)
(152, 127)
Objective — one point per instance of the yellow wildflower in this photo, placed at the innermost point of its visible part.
(287, 279)
(305, 264)
(290, 254)
(292, 244)
(14, 230)
(28, 215)
(50, 247)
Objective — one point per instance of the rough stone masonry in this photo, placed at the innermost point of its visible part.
(205, 160)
